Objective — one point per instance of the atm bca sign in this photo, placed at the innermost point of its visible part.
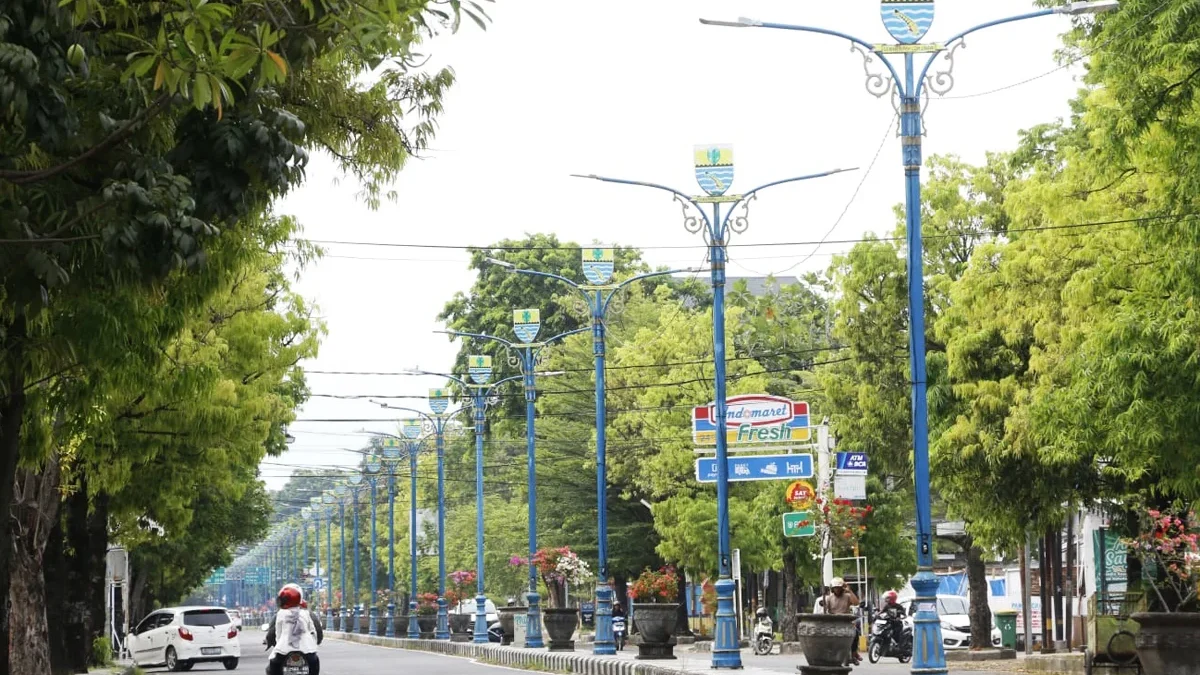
(753, 418)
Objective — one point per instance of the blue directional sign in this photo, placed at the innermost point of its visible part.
(852, 463)
(757, 467)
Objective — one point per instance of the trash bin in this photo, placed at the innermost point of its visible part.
(1006, 621)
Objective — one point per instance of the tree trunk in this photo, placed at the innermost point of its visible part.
(53, 572)
(791, 585)
(87, 539)
(1047, 605)
(34, 514)
(12, 415)
(981, 614)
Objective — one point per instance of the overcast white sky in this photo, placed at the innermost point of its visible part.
(625, 88)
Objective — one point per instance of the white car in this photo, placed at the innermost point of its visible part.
(180, 637)
(954, 613)
(469, 607)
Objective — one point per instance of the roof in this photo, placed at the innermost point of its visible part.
(188, 608)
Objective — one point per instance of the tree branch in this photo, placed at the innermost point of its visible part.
(117, 137)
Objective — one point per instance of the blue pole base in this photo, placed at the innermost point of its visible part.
(372, 620)
(414, 628)
(533, 621)
(391, 620)
(329, 619)
(929, 656)
(481, 627)
(727, 648)
(443, 621)
(342, 620)
(605, 645)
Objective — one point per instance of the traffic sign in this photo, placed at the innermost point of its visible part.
(753, 419)
(216, 578)
(757, 467)
(851, 487)
(318, 584)
(852, 463)
(799, 524)
(800, 494)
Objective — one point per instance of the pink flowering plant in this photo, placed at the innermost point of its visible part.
(1169, 548)
(461, 582)
(558, 567)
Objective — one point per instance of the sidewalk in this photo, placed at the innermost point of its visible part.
(625, 663)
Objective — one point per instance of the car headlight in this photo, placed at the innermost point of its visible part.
(947, 626)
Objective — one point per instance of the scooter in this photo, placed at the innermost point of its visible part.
(882, 643)
(618, 625)
(294, 664)
(764, 634)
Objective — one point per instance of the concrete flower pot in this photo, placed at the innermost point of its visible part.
(560, 626)
(508, 621)
(460, 627)
(428, 624)
(655, 623)
(826, 640)
(1168, 643)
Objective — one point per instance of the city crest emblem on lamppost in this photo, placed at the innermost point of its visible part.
(439, 400)
(526, 324)
(480, 369)
(411, 429)
(598, 265)
(907, 20)
(714, 168)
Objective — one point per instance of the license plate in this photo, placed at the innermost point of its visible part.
(210, 651)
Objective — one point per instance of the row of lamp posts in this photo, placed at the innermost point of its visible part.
(715, 216)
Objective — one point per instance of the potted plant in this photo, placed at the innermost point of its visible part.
(559, 567)
(826, 639)
(427, 614)
(1168, 546)
(461, 583)
(655, 612)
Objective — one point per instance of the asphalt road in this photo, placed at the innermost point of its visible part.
(346, 658)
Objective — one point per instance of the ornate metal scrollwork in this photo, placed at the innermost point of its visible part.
(428, 426)
(514, 359)
(741, 222)
(691, 223)
(878, 84)
(616, 304)
(942, 81)
(580, 307)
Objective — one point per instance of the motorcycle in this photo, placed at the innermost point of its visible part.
(883, 643)
(295, 664)
(764, 635)
(618, 625)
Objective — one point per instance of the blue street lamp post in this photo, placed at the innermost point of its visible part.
(343, 493)
(411, 445)
(480, 388)
(436, 424)
(389, 461)
(714, 172)
(371, 470)
(356, 487)
(329, 502)
(526, 355)
(597, 294)
(908, 22)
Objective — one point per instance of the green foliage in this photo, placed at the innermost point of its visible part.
(102, 652)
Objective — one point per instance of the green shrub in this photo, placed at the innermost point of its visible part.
(102, 652)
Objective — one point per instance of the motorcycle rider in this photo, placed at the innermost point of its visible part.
(894, 614)
(294, 628)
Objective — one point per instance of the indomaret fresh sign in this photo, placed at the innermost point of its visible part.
(753, 418)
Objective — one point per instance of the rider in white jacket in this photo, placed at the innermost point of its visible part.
(294, 632)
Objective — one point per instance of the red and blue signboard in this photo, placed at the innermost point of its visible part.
(753, 419)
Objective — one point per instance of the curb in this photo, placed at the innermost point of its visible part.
(514, 657)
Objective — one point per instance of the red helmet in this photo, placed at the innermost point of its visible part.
(289, 597)
(890, 597)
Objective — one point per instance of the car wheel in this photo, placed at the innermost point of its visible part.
(230, 664)
(185, 665)
(171, 660)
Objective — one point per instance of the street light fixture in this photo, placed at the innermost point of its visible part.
(597, 295)
(714, 174)
(907, 22)
(527, 354)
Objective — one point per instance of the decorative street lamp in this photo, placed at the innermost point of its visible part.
(355, 481)
(436, 424)
(908, 21)
(342, 492)
(329, 504)
(391, 456)
(714, 173)
(526, 356)
(371, 468)
(597, 296)
(481, 390)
